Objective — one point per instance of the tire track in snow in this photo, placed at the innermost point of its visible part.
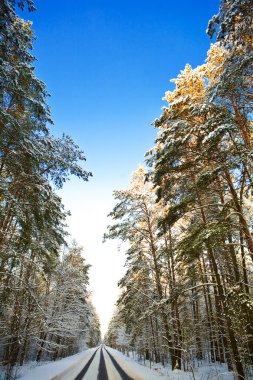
(86, 367)
(122, 373)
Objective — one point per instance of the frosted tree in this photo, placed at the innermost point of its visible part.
(138, 216)
(199, 196)
(93, 333)
(33, 164)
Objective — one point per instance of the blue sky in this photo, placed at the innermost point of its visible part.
(107, 65)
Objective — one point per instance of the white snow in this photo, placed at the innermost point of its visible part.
(68, 368)
(206, 371)
(92, 372)
(111, 371)
(73, 364)
(133, 369)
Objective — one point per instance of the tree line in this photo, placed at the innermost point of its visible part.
(187, 215)
(45, 306)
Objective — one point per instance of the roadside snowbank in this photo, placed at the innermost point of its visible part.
(69, 367)
(204, 372)
(130, 366)
(32, 371)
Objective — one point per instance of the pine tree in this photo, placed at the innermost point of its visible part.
(33, 165)
(201, 172)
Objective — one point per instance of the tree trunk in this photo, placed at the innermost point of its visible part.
(232, 338)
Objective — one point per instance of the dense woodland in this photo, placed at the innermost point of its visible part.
(45, 306)
(187, 218)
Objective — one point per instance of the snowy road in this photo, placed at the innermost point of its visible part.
(100, 366)
(106, 364)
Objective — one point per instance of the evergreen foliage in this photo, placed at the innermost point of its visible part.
(45, 307)
(188, 219)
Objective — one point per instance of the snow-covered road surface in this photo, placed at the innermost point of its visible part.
(107, 364)
(92, 365)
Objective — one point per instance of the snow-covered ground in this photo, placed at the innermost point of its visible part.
(46, 371)
(134, 369)
(68, 368)
(201, 371)
(111, 371)
(204, 372)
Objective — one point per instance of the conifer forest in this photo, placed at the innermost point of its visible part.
(186, 219)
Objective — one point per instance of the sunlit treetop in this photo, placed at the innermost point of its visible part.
(233, 24)
(189, 85)
(215, 61)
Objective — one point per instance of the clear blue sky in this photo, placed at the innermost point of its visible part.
(107, 65)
